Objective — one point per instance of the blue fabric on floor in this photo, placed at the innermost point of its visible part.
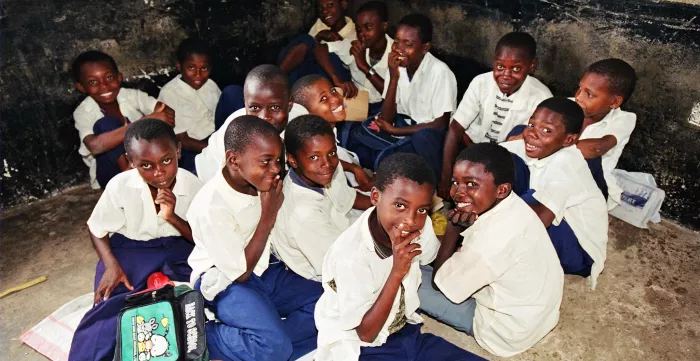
(95, 336)
(435, 304)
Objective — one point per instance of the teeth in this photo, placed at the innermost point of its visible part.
(404, 233)
(463, 204)
(338, 109)
(530, 147)
(106, 95)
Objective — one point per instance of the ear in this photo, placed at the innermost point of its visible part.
(374, 196)
(177, 66)
(290, 105)
(617, 102)
(344, 4)
(131, 161)
(232, 160)
(385, 27)
(503, 190)
(80, 87)
(425, 48)
(533, 67)
(120, 77)
(292, 162)
(179, 149)
(570, 139)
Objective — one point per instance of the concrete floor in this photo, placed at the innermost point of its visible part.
(646, 306)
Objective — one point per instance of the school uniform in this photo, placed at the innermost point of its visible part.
(246, 315)
(91, 119)
(212, 158)
(428, 95)
(142, 242)
(354, 274)
(563, 184)
(381, 66)
(620, 124)
(310, 220)
(488, 115)
(507, 277)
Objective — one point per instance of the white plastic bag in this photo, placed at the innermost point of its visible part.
(641, 199)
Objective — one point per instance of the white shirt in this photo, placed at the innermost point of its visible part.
(309, 222)
(346, 32)
(359, 275)
(133, 104)
(619, 124)
(211, 160)
(476, 110)
(194, 109)
(431, 93)
(357, 75)
(126, 207)
(223, 222)
(509, 266)
(564, 184)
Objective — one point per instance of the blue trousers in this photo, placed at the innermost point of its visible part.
(231, 99)
(435, 304)
(250, 314)
(107, 166)
(409, 344)
(95, 337)
(595, 165)
(309, 65)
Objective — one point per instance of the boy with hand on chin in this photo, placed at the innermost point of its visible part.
(497, 276)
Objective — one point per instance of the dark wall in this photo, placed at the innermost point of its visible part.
(661, 39)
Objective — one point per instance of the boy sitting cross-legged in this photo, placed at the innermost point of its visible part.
(504, 285)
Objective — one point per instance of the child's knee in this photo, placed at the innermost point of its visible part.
(280, 347)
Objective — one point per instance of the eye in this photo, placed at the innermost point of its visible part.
(254, 108)
(146, 166)
(423, 211)
(313, 157)
(530, 125)
(324, 99)
(517, 69)
(400, 206)
(455, 183)
(205, 68)
(471, 184)
(191, 67)
(275, 108)
(333, 153)
(547, 130)
(167, 161)
(500, 67)
(334, 91)
(92, 82)
(589, 94)
(109, 77)
(266, 162)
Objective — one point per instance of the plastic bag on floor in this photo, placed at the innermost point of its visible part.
(641, 199)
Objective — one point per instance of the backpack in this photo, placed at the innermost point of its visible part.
(164, 324)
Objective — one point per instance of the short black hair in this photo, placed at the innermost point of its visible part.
(420, 22)
(303, 128)
(521, 41)
(404, 165)
(496, 160)
(300, 89)
(92, 56)
(266, 74)
(570, 111)
(192, 46)
(621, 76)
(148, 129)
(242, 130)
(378, 7)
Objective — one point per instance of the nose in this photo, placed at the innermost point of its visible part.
(275, 166)
(325, 162)
(158, 170)
(578, 96)
(266, 115)
(410, 220)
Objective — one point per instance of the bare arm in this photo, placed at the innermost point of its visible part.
(113, 274)
(448, 247)
(596, 147)
(362, 202)
(190, 143)
(454, 143)
(438, 123)
(546, 216)
(377, 315)
(98, 144)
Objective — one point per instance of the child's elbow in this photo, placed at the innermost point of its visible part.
(93, 144)
(365, 336)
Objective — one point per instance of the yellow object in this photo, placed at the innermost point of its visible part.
(31, 283)
(439, 223)
(164, 322)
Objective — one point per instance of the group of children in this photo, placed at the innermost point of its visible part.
(268, 203)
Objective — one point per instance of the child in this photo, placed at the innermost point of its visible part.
(318, 202)
(266, 95)
(495, 102)
(367, 57)
(505, 285)
(605, 86)
(319, 97)
(246, 288)
(106, 113)
(138, 227)
(419, 96)
(193, 96)
(297, 58)
(371, 274)
(560, 188)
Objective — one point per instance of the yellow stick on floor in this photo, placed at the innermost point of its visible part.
(31, 283)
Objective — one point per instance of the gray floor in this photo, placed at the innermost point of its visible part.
(646, 306)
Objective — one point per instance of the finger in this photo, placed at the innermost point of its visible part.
(415, 254)
(108, 291)
(413, 247)
(160, 106)
(98, 295)
(127, 283)
(455, 218)
(451, 213)
(278, 186)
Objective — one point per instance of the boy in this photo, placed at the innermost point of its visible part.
(246, 288)
(318, 202)
(138, 227)
(605, 86)
(496, 101)
(371, 274)
(366, 57)
(332, 26)
(266, 95)
(193, 96)
(319, 97)
(505, 285)
(561, 189)
(106, 113)
(419, 96)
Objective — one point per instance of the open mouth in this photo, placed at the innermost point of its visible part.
(531, 148)
(106, 95)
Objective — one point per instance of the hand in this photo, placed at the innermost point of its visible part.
(394, 62)
(328, 36)
(403, 250)
(515, 137)
(462, 220)
(271, 201)
(382, 124)
(363, 179)
(348, 87)
(112, 277)
(357, 50)
(166, 199)
(445, 185)
(164, 113)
